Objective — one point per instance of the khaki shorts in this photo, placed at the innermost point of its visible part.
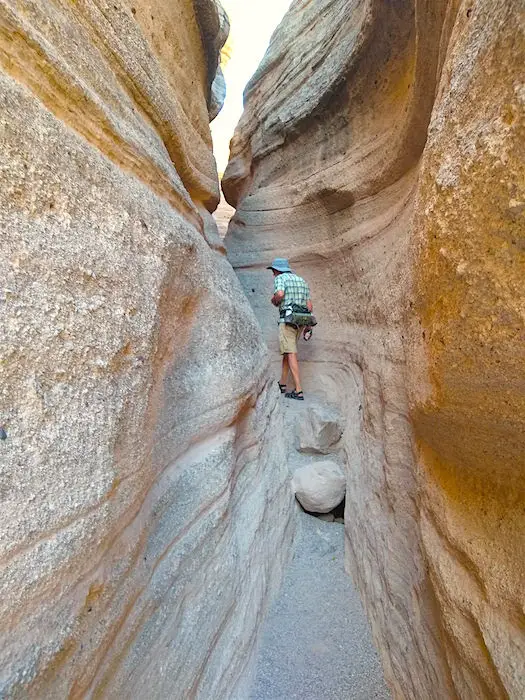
(288, 337)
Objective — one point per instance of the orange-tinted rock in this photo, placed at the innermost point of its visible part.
(412, 240)
(467, 353)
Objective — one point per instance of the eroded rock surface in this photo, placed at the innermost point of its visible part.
(145, 516)
(382, 151)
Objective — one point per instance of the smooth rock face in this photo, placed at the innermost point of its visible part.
(320, 486)
(382, 151)
(145, 514)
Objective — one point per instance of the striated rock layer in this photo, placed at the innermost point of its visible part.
(144, 517)
(382, 150)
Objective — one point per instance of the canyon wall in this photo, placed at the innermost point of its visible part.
(382, 149)
(144, 518)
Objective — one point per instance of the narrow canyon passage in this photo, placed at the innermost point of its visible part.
(316, 642)
(151, 547)
(316, 639)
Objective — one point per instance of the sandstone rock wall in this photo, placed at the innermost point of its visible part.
(144, 518)
(382, 151)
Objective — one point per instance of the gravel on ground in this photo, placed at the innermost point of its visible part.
(316, 641)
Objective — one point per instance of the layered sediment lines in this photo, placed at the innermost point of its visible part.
(382, 151)
(144, 518)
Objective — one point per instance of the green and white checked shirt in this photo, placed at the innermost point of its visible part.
(296, 290)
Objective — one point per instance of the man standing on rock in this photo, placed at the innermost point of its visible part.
(291, 294)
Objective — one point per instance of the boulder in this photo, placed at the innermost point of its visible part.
(319, 487)
(318, 430)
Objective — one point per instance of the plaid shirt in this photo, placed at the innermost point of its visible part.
(296, 290)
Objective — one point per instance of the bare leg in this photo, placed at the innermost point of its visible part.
(286, 369)
(294, 368)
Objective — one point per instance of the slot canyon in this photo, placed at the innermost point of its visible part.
(151, 545)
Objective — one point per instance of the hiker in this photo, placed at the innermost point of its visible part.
(292, 297)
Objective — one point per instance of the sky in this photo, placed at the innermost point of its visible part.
(252, 24)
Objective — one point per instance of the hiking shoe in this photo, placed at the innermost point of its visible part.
(298, 395)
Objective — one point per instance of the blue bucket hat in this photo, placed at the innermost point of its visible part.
(280, 264)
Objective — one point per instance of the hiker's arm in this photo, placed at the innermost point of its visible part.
(277, 297)
(278, 291)
(309, 304)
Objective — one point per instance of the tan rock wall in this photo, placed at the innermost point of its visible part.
(469, 261)
(144, 518)
(412, 241)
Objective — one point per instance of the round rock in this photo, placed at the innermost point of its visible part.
(320, 486)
